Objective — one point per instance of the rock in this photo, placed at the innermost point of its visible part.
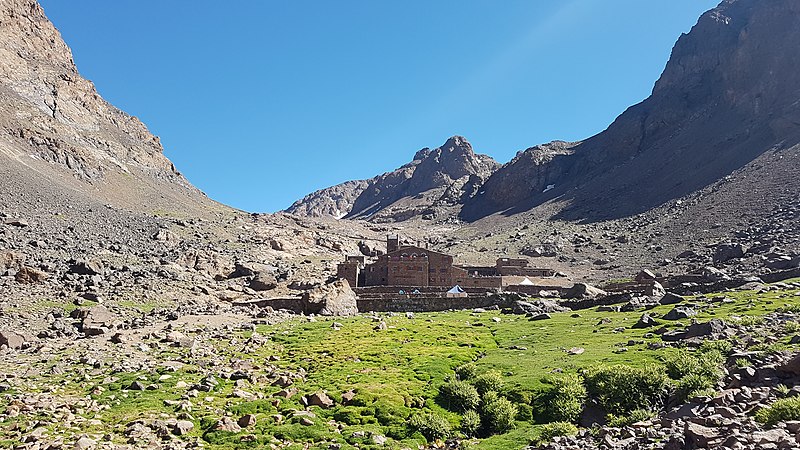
(543, 316)
(792, 366)
(714, 327)
(639, 303)
(698, 436)
(576, 351)
(320, 399)
(95, 320)
(583, 291)
(263, 282)
(378, 439)
(12, 339)
(537, 307)
(29, 275)
(87, 267)
(348, 397)
(645, 322)
(670, 299)
(332, 299)
(84, 443)
(182, 427)
(227, 424)
(246, 421)
(728, 251)
(306, 422)
(679, 313)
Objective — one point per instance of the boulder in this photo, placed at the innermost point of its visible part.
(582, 291)
(537, 307)
(638, 303)
(29, 275)
(263, 281)
(12, 339)
(670, 299)
(679, 313)
(332, 299)
(698, 436)
(10, 260)
(84, 443)
(247, 420)
(182, 427)
(86, 267)
(320, 399)
(95, 320)
(645, 322)
(712, 328)
(792, 366)
(227, 424)
(728, 251)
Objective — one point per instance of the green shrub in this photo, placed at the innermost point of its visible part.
(460, 395)
(351, 415)
(782, 390)
(563, 401)
(748, 321)
(696, 372)
(723, 346)
(782, 410)
(466, 372)
(624, 421)
(622, 389)
(680, 364)
(791, 327)
(470, 423)
(430, 425)
(497, 412)
(489, 381)
(743, 362)
(553, 429)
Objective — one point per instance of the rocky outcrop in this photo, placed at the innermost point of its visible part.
(55, 125)
(435, 180)
(335, 201)
(332, 299)
(728, 94)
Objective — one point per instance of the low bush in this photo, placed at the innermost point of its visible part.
(470, 423)
(459, 395)
(695, 372)
(782, 410)
(638, 415)
(563, 401)
(430, 425)
(497, 413)
(466, 372)
(488, 382)
(622, 389)
(554, 429)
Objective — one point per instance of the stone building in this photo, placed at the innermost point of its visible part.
(414, 265)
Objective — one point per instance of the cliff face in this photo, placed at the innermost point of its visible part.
(54, 123)
(434, 181)
(730, 92)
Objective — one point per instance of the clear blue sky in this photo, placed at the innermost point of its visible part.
(261, 102)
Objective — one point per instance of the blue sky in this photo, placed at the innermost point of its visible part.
(261, 102)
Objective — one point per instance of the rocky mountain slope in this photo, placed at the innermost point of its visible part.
(56, 128)
(729, 94)
(434, 182)
(92, 211)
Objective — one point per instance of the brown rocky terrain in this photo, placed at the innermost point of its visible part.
(710, 157)
(429, 186)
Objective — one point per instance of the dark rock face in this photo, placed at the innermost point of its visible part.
(435, 178)
(728, 94)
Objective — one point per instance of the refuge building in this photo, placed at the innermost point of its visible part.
(409, 265)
